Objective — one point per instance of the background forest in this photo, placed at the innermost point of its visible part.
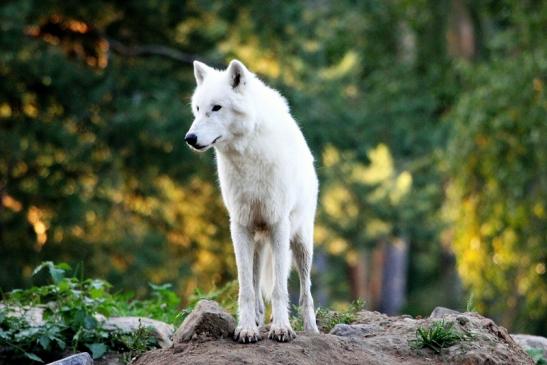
(427, 118)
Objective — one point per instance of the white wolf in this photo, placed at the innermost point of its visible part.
(269, 187)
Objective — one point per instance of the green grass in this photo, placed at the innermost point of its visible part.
(470, 305)
(438, 336)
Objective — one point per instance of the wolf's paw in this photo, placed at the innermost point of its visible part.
(281, 333)
(247, 334)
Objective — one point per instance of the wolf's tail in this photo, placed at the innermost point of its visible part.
(267, 273)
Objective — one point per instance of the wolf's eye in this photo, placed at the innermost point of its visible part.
(216, 108)
(197, 107)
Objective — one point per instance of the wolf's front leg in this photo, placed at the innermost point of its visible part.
(247, 330)
(281, 328)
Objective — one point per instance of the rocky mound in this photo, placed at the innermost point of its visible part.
(373, 338)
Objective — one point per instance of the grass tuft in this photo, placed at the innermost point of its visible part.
(438, 336)
(470, 305)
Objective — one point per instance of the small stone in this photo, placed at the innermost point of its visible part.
(78, 359)
(352, 330)
(208, 319)
(440, 312)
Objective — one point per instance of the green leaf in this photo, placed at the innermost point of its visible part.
(33, 357)
(44, 341)
(97, 350)
(63, 266)
(166, 286)
(60, 342)
(41, 266)
(57, 272)
(90, 322)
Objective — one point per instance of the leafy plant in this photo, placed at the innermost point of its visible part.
(136, 343)
(439, 335)
(327, 319)
(162, 305)
(70, 311)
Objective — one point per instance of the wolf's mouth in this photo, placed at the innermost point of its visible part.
(199, 147)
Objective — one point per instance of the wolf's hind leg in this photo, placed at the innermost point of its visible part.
(302, 248)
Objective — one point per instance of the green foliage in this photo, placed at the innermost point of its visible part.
(136, 343)
(537, 356)
(498, 159)
(327, 318)
(70, 307)
(162, 304)
(437, 336)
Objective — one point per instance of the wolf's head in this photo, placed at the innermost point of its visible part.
(222, 111)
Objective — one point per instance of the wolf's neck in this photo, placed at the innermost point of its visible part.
(246, 145)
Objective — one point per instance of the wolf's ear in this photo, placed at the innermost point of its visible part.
(238, 74)
(200, 71)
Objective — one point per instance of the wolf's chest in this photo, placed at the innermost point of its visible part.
(252, 193)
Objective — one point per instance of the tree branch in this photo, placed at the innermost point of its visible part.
(150, 50)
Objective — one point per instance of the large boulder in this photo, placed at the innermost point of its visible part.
(33, 315)
(207, 320)
(160, 330)
(373, 338)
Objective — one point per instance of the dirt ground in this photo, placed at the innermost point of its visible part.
(373, 339)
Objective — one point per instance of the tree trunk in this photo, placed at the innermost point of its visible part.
(393, 293)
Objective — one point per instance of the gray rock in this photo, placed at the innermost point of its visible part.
(78, 359)
(161, 330)
(531, 342)
(440, 312)
(208, 319)
(33, 315)
(352, 330)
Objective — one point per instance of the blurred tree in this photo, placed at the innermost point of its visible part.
(498, 161)
(91, 150)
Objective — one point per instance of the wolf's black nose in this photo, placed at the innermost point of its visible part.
(191, 139)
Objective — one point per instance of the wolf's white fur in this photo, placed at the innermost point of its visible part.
(269, 187)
